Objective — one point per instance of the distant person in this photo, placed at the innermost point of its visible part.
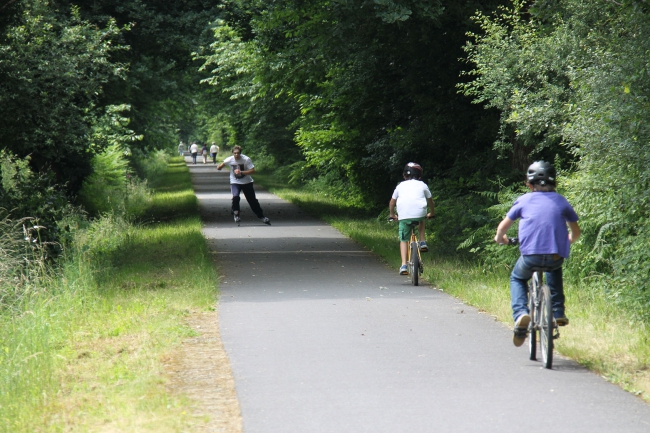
(204, 153)
(241, 168)
(194, 150)
(214, 151)
(544, 241)
(411, 198)
(181, 149)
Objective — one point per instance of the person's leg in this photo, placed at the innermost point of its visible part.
(403, 249)
(519, 277)
(249, 193)
(423, 241)
(404, 234)
(556, 285)
(235, 189)
(422, 227)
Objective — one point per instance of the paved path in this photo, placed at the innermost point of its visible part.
(323, 337)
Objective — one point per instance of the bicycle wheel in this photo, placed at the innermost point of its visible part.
(546, 326)
(534, 318)
(414, 264)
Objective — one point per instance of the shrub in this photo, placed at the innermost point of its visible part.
(112, 188)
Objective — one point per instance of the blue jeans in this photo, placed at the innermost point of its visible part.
(522, 273)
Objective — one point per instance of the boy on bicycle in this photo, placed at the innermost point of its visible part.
(544, 241)
(411, 197)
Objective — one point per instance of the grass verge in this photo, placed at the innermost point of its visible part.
(600, 336)
(89, 355)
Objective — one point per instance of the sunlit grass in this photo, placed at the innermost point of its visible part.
(89, 356)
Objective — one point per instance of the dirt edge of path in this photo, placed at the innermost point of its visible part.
(199, 369)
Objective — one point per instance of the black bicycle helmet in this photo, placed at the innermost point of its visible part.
(413, 170)
(541, 172)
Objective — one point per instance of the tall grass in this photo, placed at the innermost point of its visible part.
(85, 351)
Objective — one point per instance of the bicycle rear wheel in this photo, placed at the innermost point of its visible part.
(534, 318)
(546, 326)
(414, 264)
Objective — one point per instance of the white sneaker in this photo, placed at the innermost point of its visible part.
(521, 329)
(266, 221)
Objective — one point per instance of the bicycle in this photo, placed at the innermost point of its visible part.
(413, 256)
(542, 323)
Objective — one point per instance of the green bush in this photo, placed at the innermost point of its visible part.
(26, 194)
(112, 188)
(149, 165)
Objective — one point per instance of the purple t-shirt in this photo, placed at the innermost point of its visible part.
(543, 225)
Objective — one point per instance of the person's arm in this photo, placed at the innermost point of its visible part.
(391, 208)
(504, 225)
(432, 211)
(574, 232)
(220, 166)
(244, 172)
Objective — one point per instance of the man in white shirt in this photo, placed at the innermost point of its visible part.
(214, 151)
(241, 168)
(194, 150)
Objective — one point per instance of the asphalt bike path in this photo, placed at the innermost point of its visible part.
(324, 337)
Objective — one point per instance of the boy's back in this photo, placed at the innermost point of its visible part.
(543, 228)
(411, 196)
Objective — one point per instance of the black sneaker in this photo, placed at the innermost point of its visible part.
(562, 321)
(266, 221)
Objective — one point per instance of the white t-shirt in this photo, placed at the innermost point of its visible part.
(194, 148)
(214, 148)
(243, 163)
(411, 196)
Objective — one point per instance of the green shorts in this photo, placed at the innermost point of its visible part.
(405, 228)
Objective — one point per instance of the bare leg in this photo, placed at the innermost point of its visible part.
(403, 247)
(421, 226)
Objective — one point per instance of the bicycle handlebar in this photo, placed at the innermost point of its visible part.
(390, 220)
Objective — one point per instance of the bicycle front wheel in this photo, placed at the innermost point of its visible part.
(414, 264)
(534, 318)
(546, 326)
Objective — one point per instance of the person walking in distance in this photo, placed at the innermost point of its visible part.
(204, 153)
(194, 150)
(241, 168)
(214, 151)
(181, 149)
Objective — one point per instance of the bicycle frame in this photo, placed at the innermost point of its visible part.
(542, 322)
(414, 262)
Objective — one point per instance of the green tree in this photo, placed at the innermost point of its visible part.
(366, 85)
(53, 67)
(570, 79)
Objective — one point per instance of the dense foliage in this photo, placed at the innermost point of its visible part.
(340, 95)
(360, 87)
(570, 79)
